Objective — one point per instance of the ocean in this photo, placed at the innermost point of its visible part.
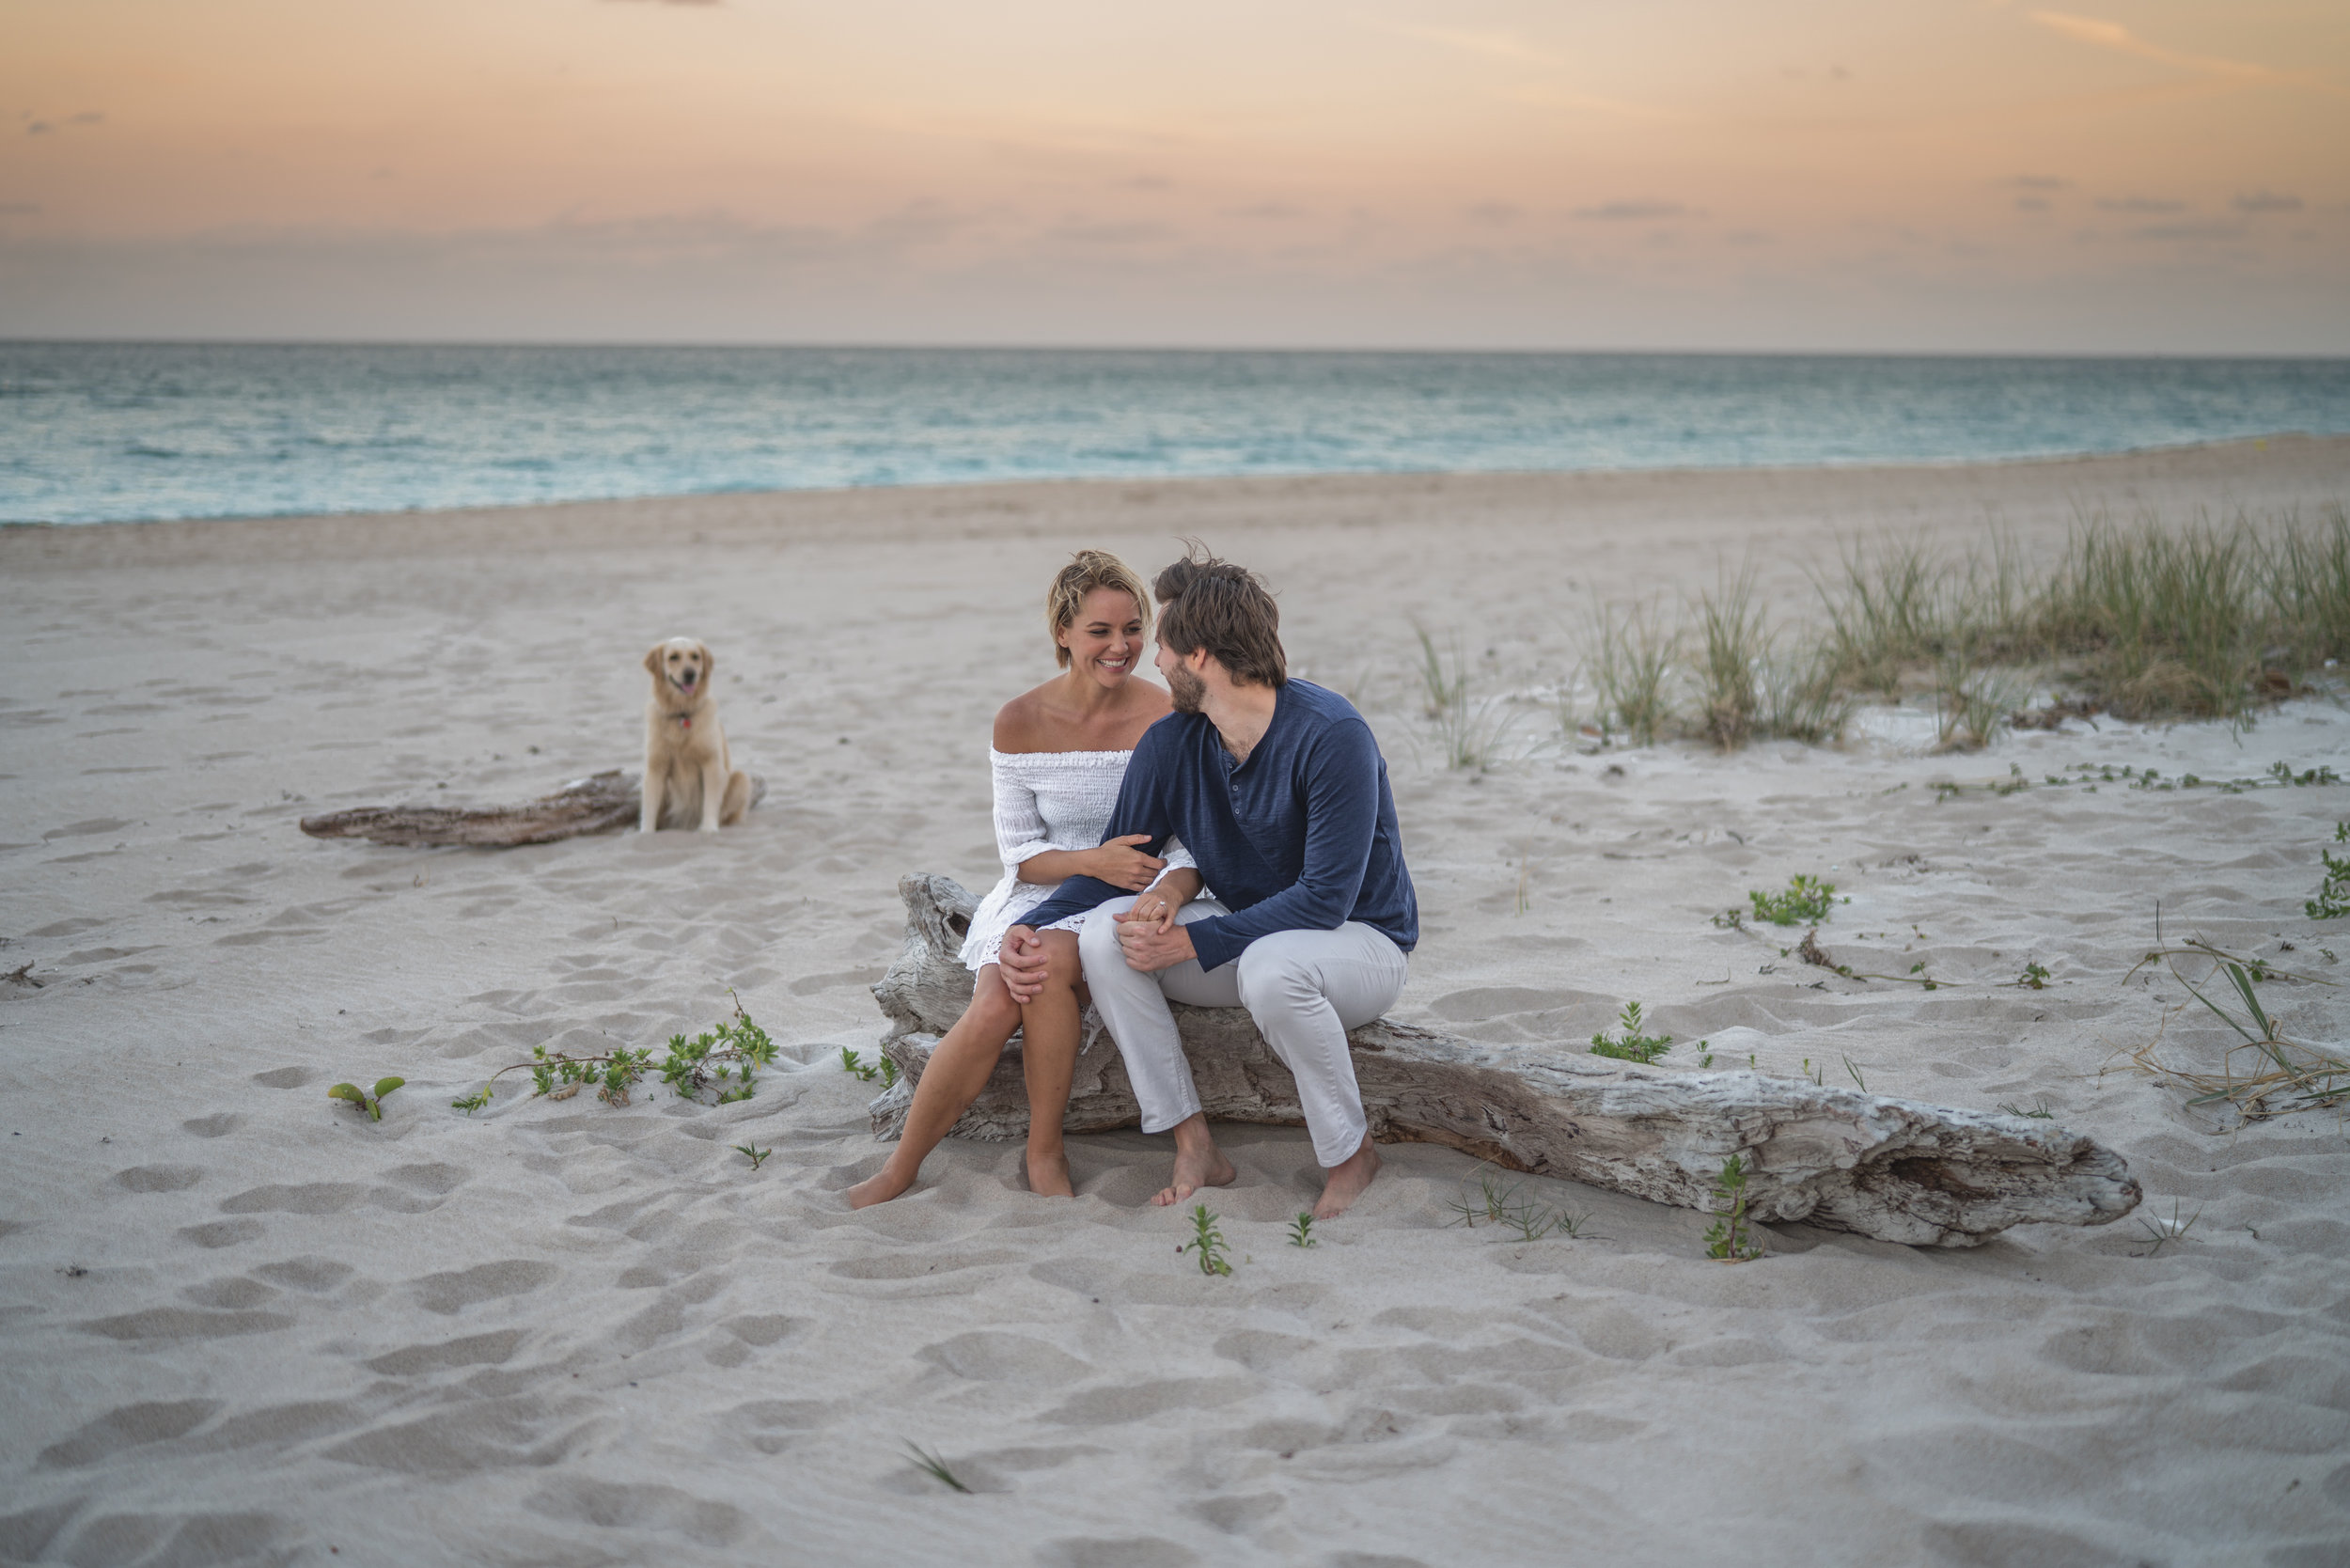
(94, 432)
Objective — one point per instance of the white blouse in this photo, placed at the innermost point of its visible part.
(1045, 800)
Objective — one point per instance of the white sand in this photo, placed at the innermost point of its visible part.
(242, 1324)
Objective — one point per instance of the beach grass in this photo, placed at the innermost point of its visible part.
(2212, 618)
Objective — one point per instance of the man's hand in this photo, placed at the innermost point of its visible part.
(1121, 863)
(1022, 964)
(1153, 942)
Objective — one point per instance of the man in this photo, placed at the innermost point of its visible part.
(1277, 789)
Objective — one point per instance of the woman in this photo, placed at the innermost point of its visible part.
(1058, 754)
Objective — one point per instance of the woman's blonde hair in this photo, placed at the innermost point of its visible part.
(1089, 569)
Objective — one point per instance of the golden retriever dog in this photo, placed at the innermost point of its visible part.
(689, 775)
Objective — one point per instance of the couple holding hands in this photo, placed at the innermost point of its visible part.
(1228, 842)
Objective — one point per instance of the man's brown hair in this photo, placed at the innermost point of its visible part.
(1213, 604)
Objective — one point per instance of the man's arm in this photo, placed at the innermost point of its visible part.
(1137, 805)
(1341, 819)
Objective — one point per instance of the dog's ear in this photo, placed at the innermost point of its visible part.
(652, 657)
(710, 662)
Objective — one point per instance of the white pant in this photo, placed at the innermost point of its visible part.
(1303, 988)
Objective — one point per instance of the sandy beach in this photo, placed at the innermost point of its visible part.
(244, 1323)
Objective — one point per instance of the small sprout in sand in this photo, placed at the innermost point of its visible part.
(1706, 1059)
(471, 1103)
(1499, 1205)
(370, 1100)
(2038, 1113)
(850, 1064)
(1732, 1238)
(1208, 1242)
(2163, 1232)
(1632, 1046)
(1302, 1230)
(1817, 1075)
(2034, 978)
(752, 1153)
(933, 1466)
(1806, 900)
(888, 1073)
(1854, 1068)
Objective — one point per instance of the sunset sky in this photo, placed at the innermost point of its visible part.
(2139, 176)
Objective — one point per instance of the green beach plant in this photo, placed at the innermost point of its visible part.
(369, 1100)
(722, 1062)
(1632, 1044)
(1302, 1230)
(1732, 1238)
(752, 1153)
(2333, 895)
(1208, 1242)
(933, 1466)
(1804, 900)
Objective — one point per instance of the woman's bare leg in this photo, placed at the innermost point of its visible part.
(958, 1069)
(1048, 1056)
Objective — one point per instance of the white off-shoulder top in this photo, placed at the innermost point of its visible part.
(1045, 800)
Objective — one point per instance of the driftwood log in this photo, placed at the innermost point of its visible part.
(1897, 1170)
(603, 803)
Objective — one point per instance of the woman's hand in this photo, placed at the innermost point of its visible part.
(1159, 902)
(1120, 864)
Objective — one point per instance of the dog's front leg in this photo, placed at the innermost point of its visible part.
(713, 792)
(649, 815)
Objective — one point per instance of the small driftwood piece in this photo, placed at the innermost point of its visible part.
(1896, 1170)
(603, 803)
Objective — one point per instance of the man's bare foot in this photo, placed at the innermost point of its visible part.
(880, 1187)
(1048, 1175)
(1196, 1169)
(1348, 1179)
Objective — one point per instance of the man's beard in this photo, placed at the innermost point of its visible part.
(1186, 689)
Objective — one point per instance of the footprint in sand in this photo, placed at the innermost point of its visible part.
(159, 1178)
(220, 1124)
(452, 1293)
(1138, 1402)
(315, 1275)
(178, 1538)
(128, 1426)
(773, 1425)
(232, 1292)
(662, 1512)
(473, 1349)
(987, 1357)
(222, 1232)
(183, 1322)
(1130, 1551)
(521, 1430)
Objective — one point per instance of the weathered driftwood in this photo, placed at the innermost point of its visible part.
(603, 803)
(1894, 1170)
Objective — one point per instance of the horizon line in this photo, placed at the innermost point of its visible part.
(2270, 356)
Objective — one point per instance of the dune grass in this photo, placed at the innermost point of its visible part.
(2212, 620)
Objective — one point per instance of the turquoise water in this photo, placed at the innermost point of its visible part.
(94, 432)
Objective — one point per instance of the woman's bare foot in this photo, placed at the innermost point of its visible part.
(880, 1187)
(1348, 1179)
(1048, 1175)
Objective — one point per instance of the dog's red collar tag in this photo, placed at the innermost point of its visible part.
(686, 719)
